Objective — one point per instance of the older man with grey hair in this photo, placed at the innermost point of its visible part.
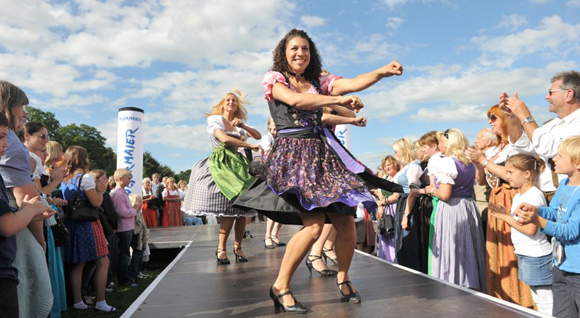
(526, 136)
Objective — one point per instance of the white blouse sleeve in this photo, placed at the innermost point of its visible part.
(214, 123)
(414, 173)
(165, 193)
(447, 171)
(88, 182)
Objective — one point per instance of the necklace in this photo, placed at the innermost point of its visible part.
(296, 76)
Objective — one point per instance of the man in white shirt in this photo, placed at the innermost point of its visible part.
(527, 137)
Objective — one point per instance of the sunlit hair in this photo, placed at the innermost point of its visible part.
(393, 161)
(456, 143)
(496, 110)
(76, 158)
(280, 63)
(571, 146)
(135, 198)
(490, 135)
(97, 173)
(181, 182)
(10, 97)
(570, 80)
(418, 147)
(145, 180)
(121, 172)
(53, 150)
(429, 139)
(241, 112)
(406, 151)
(525, 163)
(170, 179)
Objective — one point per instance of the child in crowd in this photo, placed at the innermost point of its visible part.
(172, 215)
(10, 224)
(561, 220)
(531, 246)
(140, 238)
(126, 224)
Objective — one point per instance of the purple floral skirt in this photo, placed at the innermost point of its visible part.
(304, 175)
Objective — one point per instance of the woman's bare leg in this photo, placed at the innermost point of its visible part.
(344, 246)
(239, 235)
(225, 229)
(297, 248)
(316, 250)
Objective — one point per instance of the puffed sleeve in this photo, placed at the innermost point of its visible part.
(447, 171)
(268, 81)
(215, 122)
(326, 82)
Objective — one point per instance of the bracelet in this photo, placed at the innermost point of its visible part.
(485, 164)
(431, 192)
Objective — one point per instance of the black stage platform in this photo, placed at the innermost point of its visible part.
(194, 286)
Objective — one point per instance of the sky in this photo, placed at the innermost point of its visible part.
(85, 59)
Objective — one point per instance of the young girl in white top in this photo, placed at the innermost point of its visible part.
(531, 245)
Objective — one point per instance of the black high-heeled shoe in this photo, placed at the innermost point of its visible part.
(352, 296)
(277, 242)
(324, 272)
(326, 250)
(271, 246)
(221, 261)
(239, 258)
(297, 307)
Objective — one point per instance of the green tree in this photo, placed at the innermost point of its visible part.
(48, 119)
(90, 138)
(184, 175)
(151, 166)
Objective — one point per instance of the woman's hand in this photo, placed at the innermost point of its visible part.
(59, 201)
(57, 174)
(237, 122)
(257, 148)
(393, 68)
(498, 211)
(351, 102)
(359, 121)
(428, 189)
(393, 197)
(405, 222)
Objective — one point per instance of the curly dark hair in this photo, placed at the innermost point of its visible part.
(314, 68)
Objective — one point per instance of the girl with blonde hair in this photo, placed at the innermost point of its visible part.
(458, 254)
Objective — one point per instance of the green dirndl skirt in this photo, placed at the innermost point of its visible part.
(229, 171)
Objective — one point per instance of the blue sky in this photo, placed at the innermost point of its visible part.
(85, 59)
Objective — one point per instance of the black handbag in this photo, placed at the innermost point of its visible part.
(386, 224)
(82, 210)
(59, 232)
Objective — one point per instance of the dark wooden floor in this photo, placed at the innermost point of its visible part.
(194, 286)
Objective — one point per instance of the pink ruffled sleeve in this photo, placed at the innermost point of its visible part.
(326, 82)
(268, 82)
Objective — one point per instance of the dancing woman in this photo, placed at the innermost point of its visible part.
(308, 175)
(221, 177)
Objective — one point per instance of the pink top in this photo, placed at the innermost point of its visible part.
(124, 210)
(271, 78)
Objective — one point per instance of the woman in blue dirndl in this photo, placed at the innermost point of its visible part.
(309, 178)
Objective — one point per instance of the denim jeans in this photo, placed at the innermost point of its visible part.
(192, 220)
(136, 259)
(566, 293)
(125, 239)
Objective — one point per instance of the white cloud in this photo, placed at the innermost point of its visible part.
(553, 39)
(573, 3)
(394, 22)
(540, 1)
(312, 21)
(512, 22)
(455, 113)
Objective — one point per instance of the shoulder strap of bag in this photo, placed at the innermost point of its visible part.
(78, 193)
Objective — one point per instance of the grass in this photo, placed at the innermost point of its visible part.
(123, 297)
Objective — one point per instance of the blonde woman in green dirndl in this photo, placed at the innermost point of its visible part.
(219, 179)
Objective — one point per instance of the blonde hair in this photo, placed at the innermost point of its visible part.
(524, 162)
(571, 146)
(121, 172)
(53, 150)
(241, 112)
(134, 198)
(181, 182)
(406, 151)
(456, 143)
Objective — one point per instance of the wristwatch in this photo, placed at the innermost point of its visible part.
(528, 119)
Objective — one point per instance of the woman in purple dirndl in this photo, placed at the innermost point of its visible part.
(309, 178)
